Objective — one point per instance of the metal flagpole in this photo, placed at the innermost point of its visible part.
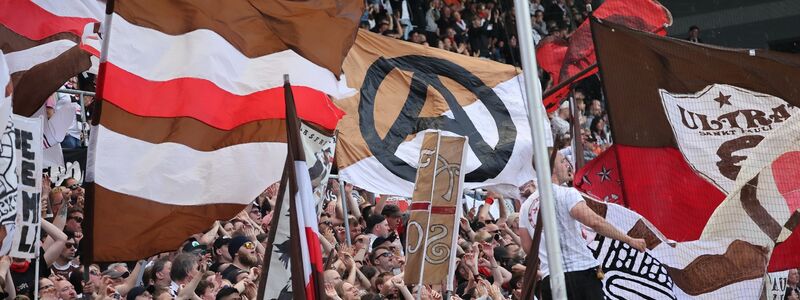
(84, 125)
(534, 94)
(345, 212)
(87, 247)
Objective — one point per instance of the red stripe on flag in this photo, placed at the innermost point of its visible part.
(34, 22)
(90, 49)
(315, 255)
(310, 293)
(314, 249)
(420, 205)
(206, 102)
(443, 210)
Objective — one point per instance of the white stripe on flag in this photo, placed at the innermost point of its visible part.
(204, 54)
(162, 172)
(303, 201)
(81, 9)
(25, 59)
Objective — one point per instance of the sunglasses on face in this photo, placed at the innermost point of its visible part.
(77, 219)
(74, 187)
(70, 245)
(249, 245)
(125, 275)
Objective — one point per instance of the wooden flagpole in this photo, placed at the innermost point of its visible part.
(435, 159)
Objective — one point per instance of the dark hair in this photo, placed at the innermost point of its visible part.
(593, 126)
(380, 280)
(75, 279)
(202, 286)
(182, 265)
(73, 210)
(225, 292)
(64, 183)
(372, 296)
(369, 271)
(70, 234)
(374, 255)
(158, 266)
(147, 275)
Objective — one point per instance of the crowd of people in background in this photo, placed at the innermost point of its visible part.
(225, 262)
(487, 29)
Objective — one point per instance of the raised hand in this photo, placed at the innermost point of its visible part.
(487, 250)
(398, 282)
(328, 235)
(638, 244)
(494, 292)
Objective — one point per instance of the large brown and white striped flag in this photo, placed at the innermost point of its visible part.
(41, 40)
(191, 128)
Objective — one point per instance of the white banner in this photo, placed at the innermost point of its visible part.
(28, 145)
(319, 149)
(717, 128)
(776, 285)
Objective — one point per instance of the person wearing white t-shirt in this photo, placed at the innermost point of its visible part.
(580, 266)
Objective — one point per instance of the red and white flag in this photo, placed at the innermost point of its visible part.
(296, 230)
(41, 40)
(192, 123)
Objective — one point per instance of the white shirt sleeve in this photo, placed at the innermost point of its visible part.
(572, 198)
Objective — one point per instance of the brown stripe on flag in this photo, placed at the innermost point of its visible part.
(634, 65)
(41, 81)
(258, 28)
(189, 131)
(794, 220)
(128, 228)
(11, 41)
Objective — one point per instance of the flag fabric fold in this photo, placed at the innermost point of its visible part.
(693, 117)
(185, 138)
(406, 90)
(42, 41)
(565, 59)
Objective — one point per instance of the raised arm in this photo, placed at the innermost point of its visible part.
(588, 217)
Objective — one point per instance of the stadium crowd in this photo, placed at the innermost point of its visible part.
(225, 262)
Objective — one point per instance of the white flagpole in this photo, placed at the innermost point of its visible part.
(435, 159)
(534, 94)
(105, 29)
(345, 212)
(457, 220)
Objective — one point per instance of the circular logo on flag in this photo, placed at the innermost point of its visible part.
(427, 72)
